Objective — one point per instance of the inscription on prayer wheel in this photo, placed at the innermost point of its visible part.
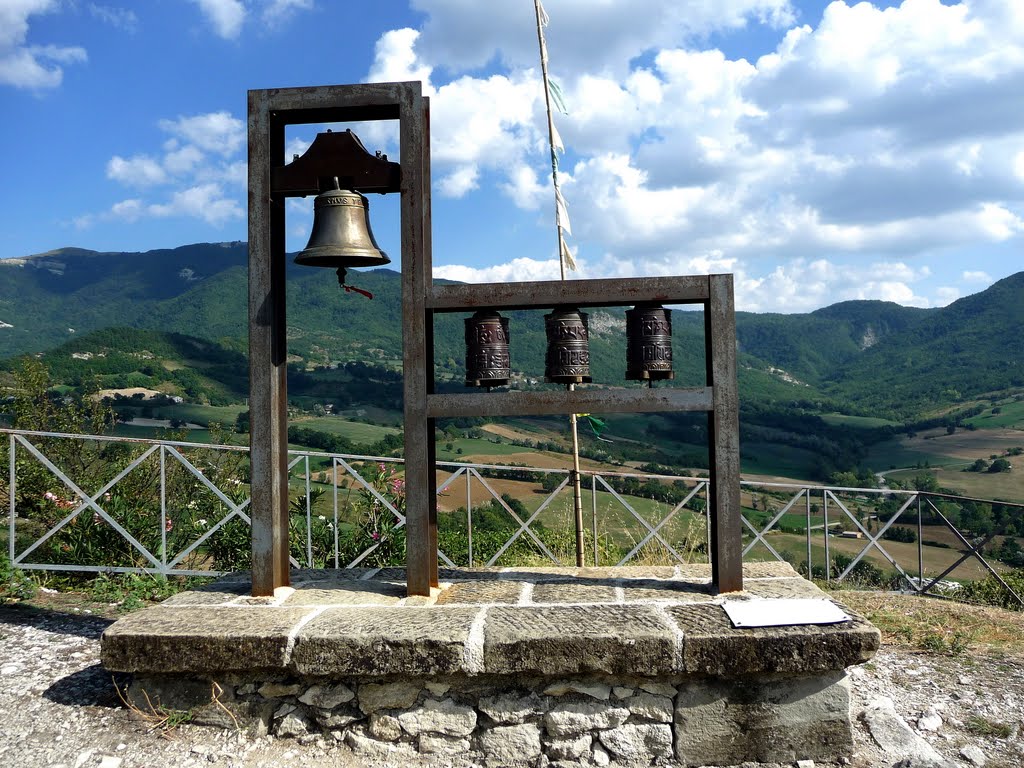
(487, 354)
(568, 355)
(649, 343)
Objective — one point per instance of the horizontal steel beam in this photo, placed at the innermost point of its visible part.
(516, 403)
(587, 293)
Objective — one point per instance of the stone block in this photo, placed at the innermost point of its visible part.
(766, 718)
(509, 709)
(511, 744)
(327, 696)
(592, 689)
(576, 748)
(628, 572)
(560, 640)
(397, 695)
(200, 639)
(769, 569)
(783, 588)
(642, 743)
(676, 591)
(481, 592)
(412, 641)
(574, 592)
(444, 717)
(385, 727)
(435, 744)
(647, 706)
(347, 592)
(571, 718)
(712, 646)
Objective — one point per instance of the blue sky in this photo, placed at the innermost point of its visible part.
(820, 151)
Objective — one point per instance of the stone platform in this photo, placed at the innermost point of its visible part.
(521, 665)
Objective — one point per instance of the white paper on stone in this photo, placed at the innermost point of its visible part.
(783, 612)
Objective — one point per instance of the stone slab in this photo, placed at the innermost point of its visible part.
(782, 588)
(217, 593)
(481, 592)
(574, 592)
(676, 591)
(208, 640)
(712, 646)
(347, 592)
(570, 639)
(768, 719)
(379, 641)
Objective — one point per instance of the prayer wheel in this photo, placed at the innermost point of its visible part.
(568, 355)
(649, 343)
(487, 355)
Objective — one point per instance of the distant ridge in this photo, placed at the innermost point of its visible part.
(872, 357)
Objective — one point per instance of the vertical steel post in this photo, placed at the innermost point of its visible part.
(726, 542)
(11, 490)
(469, 514)
(163, 507)
(593, 505)
(417, 345)
(920, 545)
(808, 531)
(268, 395)
(828, 556)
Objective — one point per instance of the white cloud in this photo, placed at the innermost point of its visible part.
(517, 269)
(213, 132)
(460, 181)
(206, 202)
(120, 18)
(31, 66)
(137, 171)
(276, 11)
(976, 276)
(226, 16)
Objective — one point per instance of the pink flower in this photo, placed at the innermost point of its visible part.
(375, 536)
(169, 525)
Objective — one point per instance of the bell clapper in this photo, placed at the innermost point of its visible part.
(350, 288)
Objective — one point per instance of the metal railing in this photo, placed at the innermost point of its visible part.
(182, 482)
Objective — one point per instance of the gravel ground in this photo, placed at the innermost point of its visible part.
(59, 708)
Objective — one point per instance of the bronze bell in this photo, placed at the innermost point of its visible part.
(568, 356)
(487, 357)
(649, 343)
(341, 235)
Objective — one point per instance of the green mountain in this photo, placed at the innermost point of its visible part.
(860, 357)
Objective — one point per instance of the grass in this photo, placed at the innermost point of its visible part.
(1011, 415)
(355, 431)
(934, 625)
(863, 422)
(202, 414)
(764, 459)
(463, 449)
(984, 485)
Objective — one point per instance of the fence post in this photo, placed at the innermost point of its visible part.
(920, 545)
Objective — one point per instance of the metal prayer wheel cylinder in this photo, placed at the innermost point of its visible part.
(649, 343)
(487, 355)
(568, 355)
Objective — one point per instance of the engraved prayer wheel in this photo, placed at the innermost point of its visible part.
(649, 343)
(568, 356)
(487, 355)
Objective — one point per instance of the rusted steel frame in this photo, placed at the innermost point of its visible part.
(873, 540)
(973, 551)
(268, 395)
(417, 343)
(771, 523)
(558, 401)
(726, 545)
(549, 293)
